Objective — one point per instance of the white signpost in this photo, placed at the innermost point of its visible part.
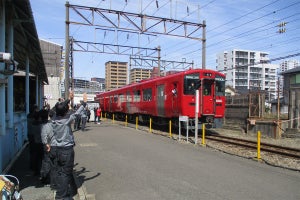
(186, 120)
(196, 116)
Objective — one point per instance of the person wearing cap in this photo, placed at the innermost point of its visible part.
(61, 146)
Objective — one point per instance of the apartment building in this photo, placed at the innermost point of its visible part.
(138, 74)
(115, 74)
(288, 64)
(249, 70)
(285, 66)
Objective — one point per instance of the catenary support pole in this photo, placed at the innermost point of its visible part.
(204, 45)
(67, 52)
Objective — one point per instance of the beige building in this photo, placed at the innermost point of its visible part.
(138, 74)
(52, 55)
(115, 74)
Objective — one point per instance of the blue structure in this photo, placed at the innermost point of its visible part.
(18, 91)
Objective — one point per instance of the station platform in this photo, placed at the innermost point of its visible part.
(114, 161)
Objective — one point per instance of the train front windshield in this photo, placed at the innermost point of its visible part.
(191, 83)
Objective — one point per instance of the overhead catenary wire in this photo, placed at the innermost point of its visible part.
(270, 13)
(184, 51)
(241, 17)
(217, 43)
(238, 17)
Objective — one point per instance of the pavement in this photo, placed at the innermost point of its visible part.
(30, 187)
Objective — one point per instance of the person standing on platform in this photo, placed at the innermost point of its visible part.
(88, 114)
(99, 115)
(38, 152)
(62, 147)
(83, 119)
(46, 136)
(95, 114)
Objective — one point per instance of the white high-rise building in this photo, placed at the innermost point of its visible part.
(247, 69)
(288, 64)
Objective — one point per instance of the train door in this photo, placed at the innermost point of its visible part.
(175, 98)
(128, 101)
(208, 103)
(110, 103)
(160, 95)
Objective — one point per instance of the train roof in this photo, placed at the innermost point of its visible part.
(189, 71)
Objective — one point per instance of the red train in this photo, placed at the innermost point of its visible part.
(169, 97)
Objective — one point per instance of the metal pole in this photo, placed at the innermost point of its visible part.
(171, 9)
(170, 128)
(196, 116)
(187, 131)
(129, 81)
(179, 130)
(2, 67)
(204, 45)
(67, 47)
(203, 134)
(258, 146)
(10, 85)
(158, 60)
(37, 91)
(150, 126)
(27, 84)
(278, 101)
(278, 110)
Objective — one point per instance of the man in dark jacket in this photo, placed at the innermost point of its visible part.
(61, 147)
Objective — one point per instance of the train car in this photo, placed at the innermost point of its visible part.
(169, 97)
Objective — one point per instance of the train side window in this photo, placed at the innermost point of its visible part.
(128, 97)
(174, 90)
(115, 98)
(147, 94)
(220, 88)
(122, 98)
(137, 96)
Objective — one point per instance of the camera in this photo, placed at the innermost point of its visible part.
(5, 57)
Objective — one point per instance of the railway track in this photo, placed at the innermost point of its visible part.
(271, 148)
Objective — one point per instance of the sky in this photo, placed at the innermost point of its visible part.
(230, 24)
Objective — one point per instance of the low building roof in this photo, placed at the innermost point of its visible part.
(291, 71)
(26, 41)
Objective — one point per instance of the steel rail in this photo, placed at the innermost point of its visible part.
(271, 148)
